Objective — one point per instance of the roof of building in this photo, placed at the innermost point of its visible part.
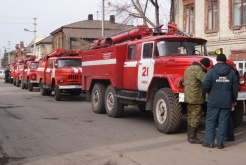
(47, 40)
(92, 28)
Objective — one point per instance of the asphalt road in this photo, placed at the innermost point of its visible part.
(37, 130)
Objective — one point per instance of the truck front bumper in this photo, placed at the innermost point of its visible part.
(70, 87)
(31, 81)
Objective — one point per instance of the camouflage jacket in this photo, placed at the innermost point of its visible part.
(193, 81)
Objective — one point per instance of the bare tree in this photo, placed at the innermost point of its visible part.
(157, 16)
(172, 16)
(135, 9)
(130, 11)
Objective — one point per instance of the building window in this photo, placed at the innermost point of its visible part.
(238, 12)
(189, 18)
(212, 15)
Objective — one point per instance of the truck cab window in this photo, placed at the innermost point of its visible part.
(169, 48)
(34, 65)
(131, 52)
(147, 50)
(69, 63)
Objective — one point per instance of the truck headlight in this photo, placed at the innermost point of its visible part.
(61, 80)
(33, 77)
(241, 81)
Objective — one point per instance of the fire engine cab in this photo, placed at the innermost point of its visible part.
(61, 72)
(144, 68)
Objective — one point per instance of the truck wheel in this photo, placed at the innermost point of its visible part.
(167, 111)
(30, 86)
(97, 98)
(57, 94)
(113, 107)
(49, 92)
(14, 82)
(17, 83)
(11, 81)
(237, 114)
(22, 84)
(43, 91)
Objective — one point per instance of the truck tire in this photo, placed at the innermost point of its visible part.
(113, 107)
(167, 111)
(14, 82)
(49, 92)
(237, 114)
(22, 84)
(97, 98)
(29, 85)
(17, 83)
(57, 94)
(43, 91)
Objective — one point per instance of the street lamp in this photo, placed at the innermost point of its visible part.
(34, 41)
(34, 31)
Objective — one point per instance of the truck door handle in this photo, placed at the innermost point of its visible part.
(140, 63)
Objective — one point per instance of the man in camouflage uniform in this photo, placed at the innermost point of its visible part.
(194, 96)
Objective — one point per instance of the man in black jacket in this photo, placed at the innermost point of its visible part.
(221, 84)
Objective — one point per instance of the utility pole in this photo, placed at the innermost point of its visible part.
(103, 18)
(9, 52)
(34, 41)
(34, 32)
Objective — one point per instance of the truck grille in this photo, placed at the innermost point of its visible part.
(74, 78)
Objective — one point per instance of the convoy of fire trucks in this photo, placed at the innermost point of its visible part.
(138, 67)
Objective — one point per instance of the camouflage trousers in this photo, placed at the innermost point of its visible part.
(194, 112)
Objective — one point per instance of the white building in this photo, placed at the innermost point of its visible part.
(221, 22)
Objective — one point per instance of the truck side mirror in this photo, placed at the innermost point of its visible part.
(56, 64)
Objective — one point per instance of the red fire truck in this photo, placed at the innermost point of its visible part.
(145, 68)
(19, 68)
(12, 71)
(61, 72)
(29, 74)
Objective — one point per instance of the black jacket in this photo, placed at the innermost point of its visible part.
(221, 84)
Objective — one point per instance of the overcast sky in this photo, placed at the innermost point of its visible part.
(15, 15)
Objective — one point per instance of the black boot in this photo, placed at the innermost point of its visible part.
(192, 138)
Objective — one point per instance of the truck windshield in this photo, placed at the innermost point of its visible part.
(69, 63)
(20, 66)
(169, 48)
(34, 66)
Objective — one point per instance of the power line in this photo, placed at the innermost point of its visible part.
(3, 0)
(13, 23)
(14, 17)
